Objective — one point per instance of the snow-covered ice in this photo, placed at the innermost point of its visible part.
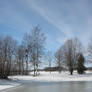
(5, 84)
(44, 77)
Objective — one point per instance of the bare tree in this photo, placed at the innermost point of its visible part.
(67, 53)
(6, 49)
(27, 44)
(38, 40)
(1, 57)
(20, 59)
(14, 57)
(73, 47)
(59, 58)
(49, 57)
(90, 52)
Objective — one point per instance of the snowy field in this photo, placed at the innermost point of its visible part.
(54, 77)
(44, 77)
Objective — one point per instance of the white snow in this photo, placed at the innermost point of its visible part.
(55, 77)
(5, 84)
(45, 77)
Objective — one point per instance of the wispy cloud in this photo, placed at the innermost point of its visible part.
(72, 17)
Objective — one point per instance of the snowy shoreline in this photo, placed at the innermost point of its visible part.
(55, 77)
(44, 77)
(6, 84)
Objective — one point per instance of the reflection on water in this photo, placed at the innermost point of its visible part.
(55, 87)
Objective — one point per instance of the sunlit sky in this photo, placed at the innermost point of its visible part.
(58, 19)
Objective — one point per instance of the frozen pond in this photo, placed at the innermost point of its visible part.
(53, 87)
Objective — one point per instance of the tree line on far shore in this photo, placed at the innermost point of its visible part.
(16, 58)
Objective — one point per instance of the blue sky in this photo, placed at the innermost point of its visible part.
(58, 19)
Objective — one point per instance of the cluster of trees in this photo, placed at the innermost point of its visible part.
(7, 51)
(71, 56)
(15, 58)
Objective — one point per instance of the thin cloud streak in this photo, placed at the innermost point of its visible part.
(72, 18)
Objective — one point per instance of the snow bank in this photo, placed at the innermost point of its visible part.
(54, 77)
(4, 84)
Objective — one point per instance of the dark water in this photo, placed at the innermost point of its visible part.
(53, 87)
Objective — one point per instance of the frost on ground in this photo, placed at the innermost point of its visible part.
(54, 77)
